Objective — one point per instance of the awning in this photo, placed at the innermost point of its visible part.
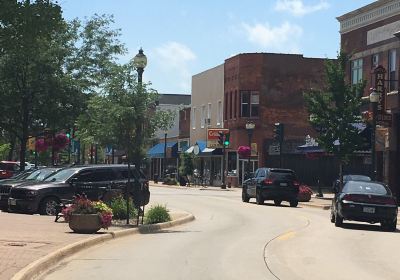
(157, 151)
(204, 151)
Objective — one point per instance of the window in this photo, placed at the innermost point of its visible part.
(203, 116)
(374, 60)
(392, 70)
(249, 103)
(208, 114)
(356, 71)
(234, 105)
(219, 114)
(193, 117)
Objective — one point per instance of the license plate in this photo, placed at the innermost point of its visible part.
(369, 210)
(12, 201)
(283, 184)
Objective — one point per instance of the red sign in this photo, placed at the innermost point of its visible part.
(213, 135)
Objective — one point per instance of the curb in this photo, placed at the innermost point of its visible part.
(41, 265)
(323, 207)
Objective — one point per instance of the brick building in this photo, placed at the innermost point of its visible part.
(369, 33)
(267, 88)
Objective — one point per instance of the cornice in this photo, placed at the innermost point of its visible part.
(374, 12)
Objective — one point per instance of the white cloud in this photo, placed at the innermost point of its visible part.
(297, 8)
(173, 60)
(282, 38)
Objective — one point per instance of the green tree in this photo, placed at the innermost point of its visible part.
(49, 67)
(186, 166)
(335, 110)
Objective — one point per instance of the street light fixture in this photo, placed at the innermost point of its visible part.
(140, 62)
(250, 128)
(374, 99)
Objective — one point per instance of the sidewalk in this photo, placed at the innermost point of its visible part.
(25, 239)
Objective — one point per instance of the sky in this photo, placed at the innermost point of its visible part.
(183, 38)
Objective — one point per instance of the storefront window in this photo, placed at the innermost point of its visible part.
(232, 164)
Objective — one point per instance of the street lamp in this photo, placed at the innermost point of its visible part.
(140, 62)
(164, 166)
(374, 99)
(250, 128)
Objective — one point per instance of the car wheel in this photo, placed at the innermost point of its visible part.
(293, 203)
(259, 198)
(389, 226)
(245, 197)
(48, 206)
(277, 202)
(338, 220)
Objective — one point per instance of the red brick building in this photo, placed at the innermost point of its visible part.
(267, 88)
(369, 33)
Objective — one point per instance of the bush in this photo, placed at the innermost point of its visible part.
(118, 206)
(305, 193)
(157, 214)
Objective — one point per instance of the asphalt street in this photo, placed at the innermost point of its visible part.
(234, 240)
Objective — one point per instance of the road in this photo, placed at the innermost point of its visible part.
(234, 240)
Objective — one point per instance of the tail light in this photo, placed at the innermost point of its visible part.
(268, 182)
(384, 200)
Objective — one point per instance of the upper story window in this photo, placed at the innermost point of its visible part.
(219, 113)
(374, 60)
(193, 117)
(392, 70)
(356, 71)
(203, 116)
(249, 103)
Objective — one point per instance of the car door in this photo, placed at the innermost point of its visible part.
(251, 189)
(94, 182)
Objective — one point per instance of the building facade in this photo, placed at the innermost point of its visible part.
(370, 34)
(207, 112)
(266, 88)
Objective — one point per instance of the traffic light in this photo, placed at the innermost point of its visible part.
(226, 141)
(221, 138)
(278, 132)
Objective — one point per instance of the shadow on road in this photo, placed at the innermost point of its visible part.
(170, 231)
(366, 227)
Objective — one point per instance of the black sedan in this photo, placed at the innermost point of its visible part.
(363, 201)
(350, 177)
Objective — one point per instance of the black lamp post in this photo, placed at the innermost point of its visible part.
(140, 62)
(250, 128)
(374, 99)
(164, 166)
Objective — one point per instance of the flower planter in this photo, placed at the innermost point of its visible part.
(304, 197)
(85, 223)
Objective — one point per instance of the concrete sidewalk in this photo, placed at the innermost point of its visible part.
(25, 239)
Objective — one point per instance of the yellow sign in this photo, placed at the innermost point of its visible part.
(254, 149)
(30, 145)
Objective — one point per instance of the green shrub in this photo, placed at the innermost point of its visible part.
(170, 181)
(118, 206)
(157, 214)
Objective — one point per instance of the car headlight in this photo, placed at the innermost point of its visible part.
(31, 193)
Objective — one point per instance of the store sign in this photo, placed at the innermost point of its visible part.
(382, 117)
(213, 136)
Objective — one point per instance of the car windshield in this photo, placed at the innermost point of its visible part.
(365, 188)
(61, 175)
(21, 176)
(41, 174)
(357, 178)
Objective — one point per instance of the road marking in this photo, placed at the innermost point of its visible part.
(286, 236)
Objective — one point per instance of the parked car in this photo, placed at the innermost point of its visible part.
(362, 201)
(25, 177)
(350, 177)
(95, 181)
(8, 169)
(272, 184)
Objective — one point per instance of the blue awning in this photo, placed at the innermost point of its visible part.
(157, 151)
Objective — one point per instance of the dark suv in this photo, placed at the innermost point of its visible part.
(272, 184)
(95, 181)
